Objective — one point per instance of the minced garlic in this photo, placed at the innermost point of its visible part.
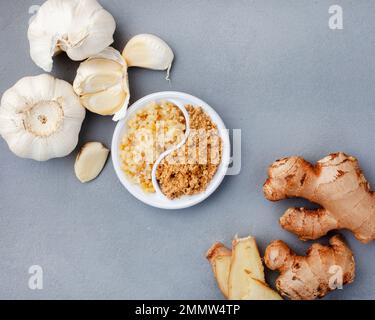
(151, 131)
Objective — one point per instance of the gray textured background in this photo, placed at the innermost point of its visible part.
(271, 68)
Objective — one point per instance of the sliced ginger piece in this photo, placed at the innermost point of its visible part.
(220, 258)
(246, 263)
(259, 290)
(240, 275)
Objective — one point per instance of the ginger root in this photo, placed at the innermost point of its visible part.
(336, 183)
(240, 272)
(325, 268)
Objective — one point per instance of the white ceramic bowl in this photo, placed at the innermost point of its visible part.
(158, 199)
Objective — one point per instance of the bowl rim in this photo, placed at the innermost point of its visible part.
(159, 200)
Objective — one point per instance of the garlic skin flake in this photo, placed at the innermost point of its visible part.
(81, 28)
(150, 52)
(41, 117)
(90, 161)
(102, 84)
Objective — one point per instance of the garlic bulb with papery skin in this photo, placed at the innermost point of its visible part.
(81, 28)
(41, 117)
(102, 84)
(148, 51)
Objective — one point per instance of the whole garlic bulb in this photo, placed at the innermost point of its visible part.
(41, 117)
(102, 84)
(82, 28)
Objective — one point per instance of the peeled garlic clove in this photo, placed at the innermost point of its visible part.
(90, 161)
(148, 51)
(41, 117)
(81, 28)
(102, 84)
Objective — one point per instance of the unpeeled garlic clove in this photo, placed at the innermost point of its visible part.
(105, 102)
(81, 28)
(150, 52)
(90, 161)
(102, 84)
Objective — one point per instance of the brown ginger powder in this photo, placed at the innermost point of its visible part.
(190, 169)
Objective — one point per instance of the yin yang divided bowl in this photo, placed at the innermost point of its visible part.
(157, 198)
